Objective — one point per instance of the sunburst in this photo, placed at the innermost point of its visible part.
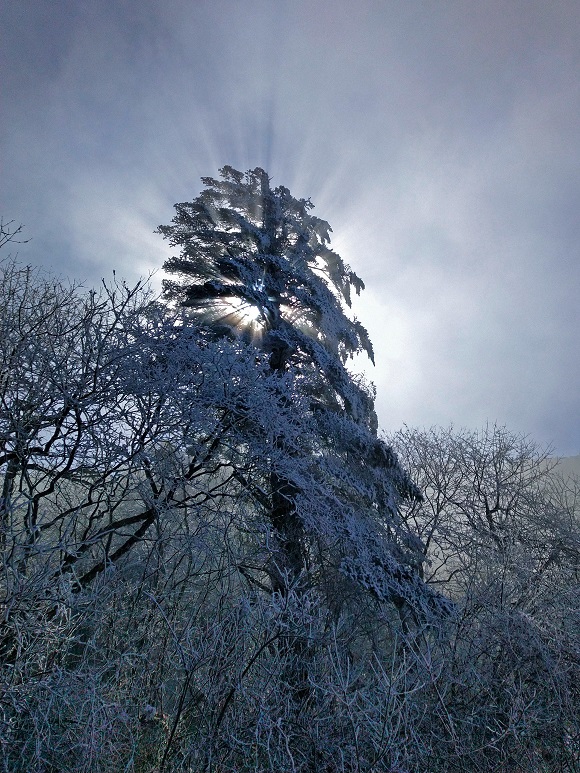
(240, 314)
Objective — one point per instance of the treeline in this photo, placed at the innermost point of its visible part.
(211, 561)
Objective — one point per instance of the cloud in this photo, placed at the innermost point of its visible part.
(441, 141)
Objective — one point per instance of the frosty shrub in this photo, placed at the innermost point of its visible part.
(211, 562)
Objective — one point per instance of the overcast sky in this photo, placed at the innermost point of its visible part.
(440, 139)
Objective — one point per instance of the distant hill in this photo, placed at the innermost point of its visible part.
(569, 465)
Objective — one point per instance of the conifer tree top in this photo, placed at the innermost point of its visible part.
(254, 256)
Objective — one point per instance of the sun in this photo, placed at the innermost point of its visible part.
(250, 314)
(241, 314)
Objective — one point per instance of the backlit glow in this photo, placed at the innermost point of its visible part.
(239, 313)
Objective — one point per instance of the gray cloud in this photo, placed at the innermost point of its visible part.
(441, 141)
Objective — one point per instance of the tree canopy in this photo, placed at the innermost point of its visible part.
(254, 260)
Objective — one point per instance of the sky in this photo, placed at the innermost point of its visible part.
(440, 139)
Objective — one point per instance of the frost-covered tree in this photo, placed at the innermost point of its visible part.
(500, 525)
(254, 260)
(208, 558)
(255, 264)
(137, 563)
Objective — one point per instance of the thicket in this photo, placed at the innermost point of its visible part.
(211, 561)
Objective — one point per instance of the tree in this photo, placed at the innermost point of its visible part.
(253, 259)
(122, 437)
(141, 462)
(488, 496)
(9, 233)
(209, 560)
(73, 433)
(501, 532)
(256, 264)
